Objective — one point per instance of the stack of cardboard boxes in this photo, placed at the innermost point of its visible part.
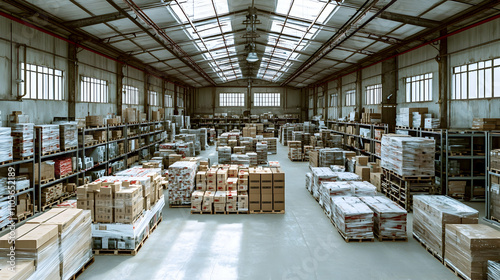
(49, 134)
(130, 115)
(266, 189)
(181, 181)
(295, 150)
(408, 156)
(69, 135)
(485, 124)
(23, 137)
(92, 121)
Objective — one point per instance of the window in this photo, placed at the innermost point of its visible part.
(350, 98)
(374, 94)
(153, 98)
(180, 101)
(130, 95)
(267, 99)
(168, 101)
(419, 88)
(333, 100)
(93, 90)
(231, 99)
(476, 80)
(41, 82)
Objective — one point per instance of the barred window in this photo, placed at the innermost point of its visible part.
(267, 99)
(419, 88)
(374, 94)
(168, 101)
(333, 100)
(41, 82)
(153, 98)
(231, 99)
(130, 95)
(350, 98)
(476, 80)
(93, 90)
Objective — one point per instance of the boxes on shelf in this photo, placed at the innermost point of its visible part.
(389, 219)
(405, 116)
(408, 156)
(130, 115)
(94, 121)
(23, 140)
(68, 135)
(485, 123)
(430, 215)
(352, 217)
(49, 138)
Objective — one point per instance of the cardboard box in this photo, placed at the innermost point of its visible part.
(267, 205)
(376, 180)
(363, 172)
(456, 188)
(253, 205)
(362, 160)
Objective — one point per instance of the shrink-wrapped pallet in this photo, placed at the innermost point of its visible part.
(408, 156)
(320, 175)
(181, 181)
(353, 218)
(389, 220)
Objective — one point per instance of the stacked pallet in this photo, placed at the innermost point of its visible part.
(320, 175)
(408, 156)
(469, 248)
(389, 218)
(23, 137)
(332, 189)
(181, 182)
(431, 213)
(49, 135)
(224, 155)
(261, 149)
(331, 156)
(353, 218)
(295, 150)
(6, 143)
(54, 245)
(272, 144)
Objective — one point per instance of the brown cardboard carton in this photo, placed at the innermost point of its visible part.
(278, 177)
(376, 180)
(363, 172)
(362, 160)
(252, 206)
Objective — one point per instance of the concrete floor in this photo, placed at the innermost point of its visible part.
(301, 244)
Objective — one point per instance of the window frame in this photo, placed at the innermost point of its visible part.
(418, 88)
(127, 98)
(153, 101)
(373, 94)
(95, 83)
(231, 99)
(49, 82)
(168, 101)
(350, 95)
(267, 99)
(485, 85)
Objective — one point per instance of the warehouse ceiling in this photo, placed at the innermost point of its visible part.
(297, 42)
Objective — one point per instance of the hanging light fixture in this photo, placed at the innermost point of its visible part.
(252, 57)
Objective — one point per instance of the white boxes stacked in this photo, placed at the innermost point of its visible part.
(363, 188)
(331, 156)
(408, 156)
(272, 144)
(332, 189)
(243, 160)
(320, 175)
(49, 138)
(23, 137)
(389, 218)
(6, 142)
(181, 182)
(352, 217)
(261, 149)
(431, 213)
(224, 155)
(69, 135)
(432, 123)
(253, 159)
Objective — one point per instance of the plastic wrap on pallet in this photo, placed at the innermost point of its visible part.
(271, 145)
(495, 200)
(181, 181)
(6, 144)
(243, 160)
(261, 149)
(389, 218)
(309, 181)
(493, 270)
(137, 171)
(432, 212)
(432, 123)
(331, 156)
(330, 189)
(5, 213)
(253, 159)
(363, 189)
(320, 175)
(347, 176)
(49, 137)
(23, 137)
(352, 217)
(119, 236)
(469, 247)
(224, 155)
(63, 166)
(68, 135)
(59, 242)
(408, 156)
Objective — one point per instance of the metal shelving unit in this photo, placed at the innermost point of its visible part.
(472, 161)
(493, 142)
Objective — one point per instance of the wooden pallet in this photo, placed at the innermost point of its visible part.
(129, 252)
(50, 152)
(403, 127)
(202, 212)
(351, 239)
(296, 159)
(65, 175)
(133, 123)
(410, 178)
(51, 204)
(495, 219)
(454, 154)
(219, 213)
(114, 125)
(68, 149)
(179, 205)
(391, 238)
(493, 170)
(45, 181)
(428, 249)
(23, 216)
(455, 271)
(91, 143)
(267, 211)
(81, 270)
(22, 158)
(95, 126)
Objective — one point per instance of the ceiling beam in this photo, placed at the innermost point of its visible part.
(79, 23)
(409, 19)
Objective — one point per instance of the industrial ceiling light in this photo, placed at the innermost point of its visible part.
(252, 57)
